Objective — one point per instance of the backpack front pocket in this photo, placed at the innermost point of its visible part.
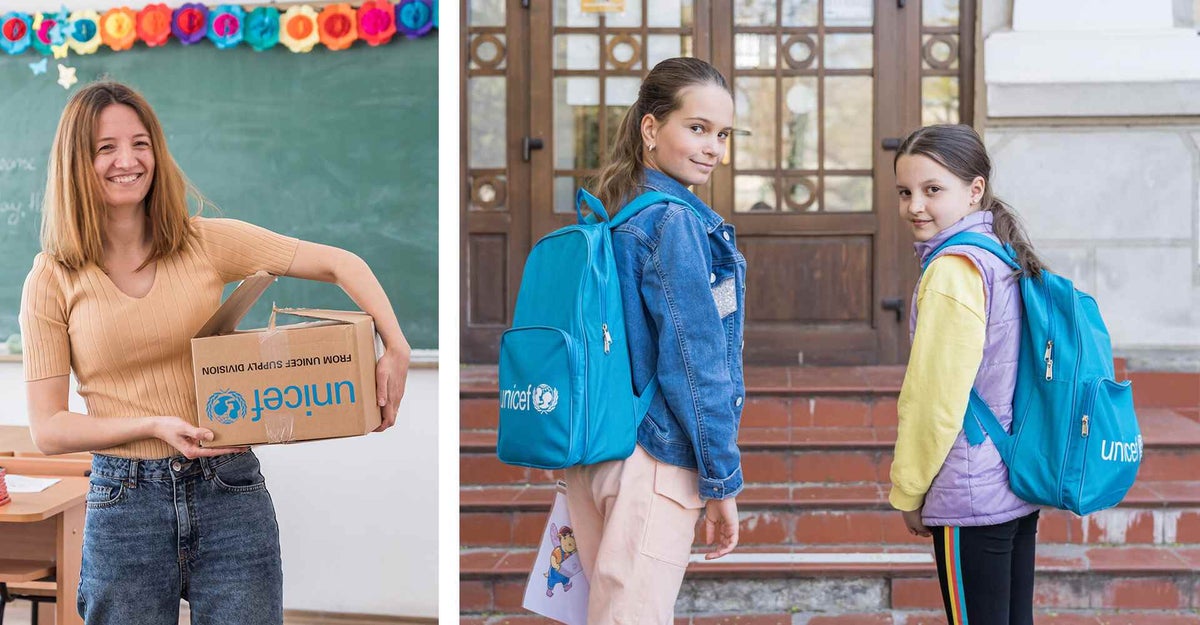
(1112, 445)
(541, 390)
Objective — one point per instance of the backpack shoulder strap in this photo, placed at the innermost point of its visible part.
(974, 239)
(648, 198)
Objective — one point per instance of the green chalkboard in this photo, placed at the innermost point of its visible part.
(333, 147)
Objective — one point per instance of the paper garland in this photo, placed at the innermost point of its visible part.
(154, 25)
(300, 28)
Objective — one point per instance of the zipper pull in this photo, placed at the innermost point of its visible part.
(1085, 426)
(1049, 358)
(607, 337)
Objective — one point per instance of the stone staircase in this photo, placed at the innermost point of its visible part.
(819, 543)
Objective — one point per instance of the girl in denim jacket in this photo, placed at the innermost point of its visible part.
(966, 325)
(682, 281)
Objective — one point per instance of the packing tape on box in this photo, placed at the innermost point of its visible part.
(279, 428)
(275, 345)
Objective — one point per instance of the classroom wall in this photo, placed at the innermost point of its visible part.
(357, 517)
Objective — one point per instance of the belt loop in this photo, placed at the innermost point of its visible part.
(132, 480)
(206, 467)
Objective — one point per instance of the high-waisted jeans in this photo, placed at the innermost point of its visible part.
(160, 530)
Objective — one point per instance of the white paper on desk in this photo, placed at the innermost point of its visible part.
(25, 484)
(558, 591)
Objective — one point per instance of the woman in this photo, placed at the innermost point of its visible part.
(682, 282)
(124, 280)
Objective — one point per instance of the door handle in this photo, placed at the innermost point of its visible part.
(891, 144)
(529, 144)
(899, 4)
(894, 304)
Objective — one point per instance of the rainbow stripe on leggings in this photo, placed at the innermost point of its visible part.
(954, 583)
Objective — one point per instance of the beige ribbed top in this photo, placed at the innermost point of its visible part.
(132, 356)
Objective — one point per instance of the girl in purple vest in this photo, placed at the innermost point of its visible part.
(965, 324)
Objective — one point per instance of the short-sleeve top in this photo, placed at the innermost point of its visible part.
(132, 356)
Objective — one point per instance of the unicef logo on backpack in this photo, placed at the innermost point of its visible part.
(225, 407)
(545, 398)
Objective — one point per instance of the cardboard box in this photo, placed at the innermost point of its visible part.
(284, 383)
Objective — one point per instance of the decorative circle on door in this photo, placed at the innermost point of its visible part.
(790, 196)
(626, 46)
(799, 45)
(487, 51)
(940, 51)
(488, 192)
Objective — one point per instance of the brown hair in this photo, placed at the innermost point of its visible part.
(73, 210)
(657, 96)
(959, 149)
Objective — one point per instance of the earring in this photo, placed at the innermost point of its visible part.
(650, 147)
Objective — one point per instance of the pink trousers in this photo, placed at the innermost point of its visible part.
(634, 522)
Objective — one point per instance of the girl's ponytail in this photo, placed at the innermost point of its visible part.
(1009, 229)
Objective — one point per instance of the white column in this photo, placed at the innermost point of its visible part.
(1068, 58)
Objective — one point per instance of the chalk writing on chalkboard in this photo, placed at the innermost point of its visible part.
(16, 164)
(13, 213)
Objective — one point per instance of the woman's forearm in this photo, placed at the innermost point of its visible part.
(66, 432)
(353, 275)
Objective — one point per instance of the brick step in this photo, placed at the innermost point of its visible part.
(876, 599)
(1152, 389)
(1144, 494)
(480, 381)
(805, 467)
(889, 617)
(1126, 525)
(860, 560)
(847, 427)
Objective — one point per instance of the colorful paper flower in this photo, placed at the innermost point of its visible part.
(262, 28)
(336, 25)
(414, 17)
(189, 23)
(16, 32)
(118, 28)
(84, 32)
(298, 28)
(154, 24)
(41, 32)
(376, 22)
(225, 26)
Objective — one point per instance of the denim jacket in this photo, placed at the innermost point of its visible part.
(683, 285)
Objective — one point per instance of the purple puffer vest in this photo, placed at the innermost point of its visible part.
(972, 487)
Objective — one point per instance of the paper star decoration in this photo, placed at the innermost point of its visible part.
(66, 76)
(38, 68)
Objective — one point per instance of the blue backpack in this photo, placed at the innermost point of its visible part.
(1075, 442)
(566, 391)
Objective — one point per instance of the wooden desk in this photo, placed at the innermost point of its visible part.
(15, 439)
(46, 525)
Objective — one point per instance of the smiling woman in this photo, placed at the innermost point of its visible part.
(125, 279)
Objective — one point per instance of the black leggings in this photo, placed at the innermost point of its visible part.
(989, 577)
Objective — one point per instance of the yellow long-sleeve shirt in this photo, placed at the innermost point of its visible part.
(946, 352)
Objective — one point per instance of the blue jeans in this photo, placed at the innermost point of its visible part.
(160, 530)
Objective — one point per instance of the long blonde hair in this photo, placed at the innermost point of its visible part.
(73, 209)
(658, 96)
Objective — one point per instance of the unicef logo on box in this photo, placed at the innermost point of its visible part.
(225, 407)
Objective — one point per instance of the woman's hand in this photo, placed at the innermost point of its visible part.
(912, 519)
(720, 522)
(391, 373)
(187, 438)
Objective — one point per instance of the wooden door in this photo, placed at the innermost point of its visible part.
(820, 88)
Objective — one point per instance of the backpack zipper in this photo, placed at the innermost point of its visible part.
(607, 337)
(1049, 358)
(1085, 426)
